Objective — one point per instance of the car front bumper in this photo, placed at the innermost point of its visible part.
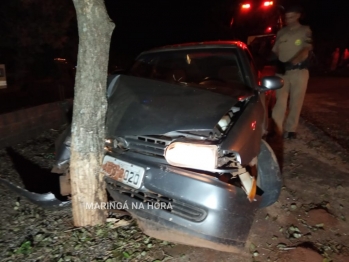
(194, 203)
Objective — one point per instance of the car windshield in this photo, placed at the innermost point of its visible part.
(218, 66)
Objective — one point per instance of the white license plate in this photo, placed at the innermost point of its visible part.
(123, 172)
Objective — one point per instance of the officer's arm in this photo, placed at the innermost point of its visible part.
(276, 44)
(307, 47)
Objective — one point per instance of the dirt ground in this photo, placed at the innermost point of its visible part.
(326, 106)
(308, 223)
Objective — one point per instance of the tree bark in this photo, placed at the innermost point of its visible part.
(90, 105)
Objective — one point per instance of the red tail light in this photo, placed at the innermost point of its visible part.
(268, 3)
(246, 6)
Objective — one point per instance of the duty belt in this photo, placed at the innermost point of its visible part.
(290, 66)
(282, 67)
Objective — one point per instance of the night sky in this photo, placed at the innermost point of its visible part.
(145, 24)
(141, 25)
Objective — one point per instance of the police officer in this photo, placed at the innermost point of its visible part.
(292, 46)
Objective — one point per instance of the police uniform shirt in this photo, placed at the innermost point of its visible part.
(290, 41)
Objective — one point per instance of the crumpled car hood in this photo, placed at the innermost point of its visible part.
(139, 106)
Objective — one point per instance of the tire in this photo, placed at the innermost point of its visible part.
(269, 178)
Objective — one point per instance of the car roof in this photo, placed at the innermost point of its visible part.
(197, 45)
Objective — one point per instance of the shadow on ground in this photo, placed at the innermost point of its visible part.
(35, 179)
(276, 142)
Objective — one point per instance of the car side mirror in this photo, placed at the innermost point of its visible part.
(271, 83)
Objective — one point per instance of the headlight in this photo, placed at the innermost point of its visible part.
(108, 144)
(196, 156)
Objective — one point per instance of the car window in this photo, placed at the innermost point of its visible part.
(252, 63)
(191, 66)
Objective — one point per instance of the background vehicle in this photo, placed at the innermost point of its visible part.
(256, 22)
(256, 17)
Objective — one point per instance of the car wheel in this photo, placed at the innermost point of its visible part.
(269, 178)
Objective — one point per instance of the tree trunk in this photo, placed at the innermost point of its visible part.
(90, 105)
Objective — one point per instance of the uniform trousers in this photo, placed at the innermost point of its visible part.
(295, 86)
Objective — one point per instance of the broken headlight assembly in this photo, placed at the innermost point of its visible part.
(190, 155)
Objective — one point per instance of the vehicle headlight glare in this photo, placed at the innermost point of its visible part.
(189, 155)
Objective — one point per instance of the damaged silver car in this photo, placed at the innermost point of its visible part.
(185, 129)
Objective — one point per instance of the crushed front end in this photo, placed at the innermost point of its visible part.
(189, 181)
(195, 202)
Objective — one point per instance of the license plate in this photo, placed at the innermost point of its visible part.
(123, 172)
